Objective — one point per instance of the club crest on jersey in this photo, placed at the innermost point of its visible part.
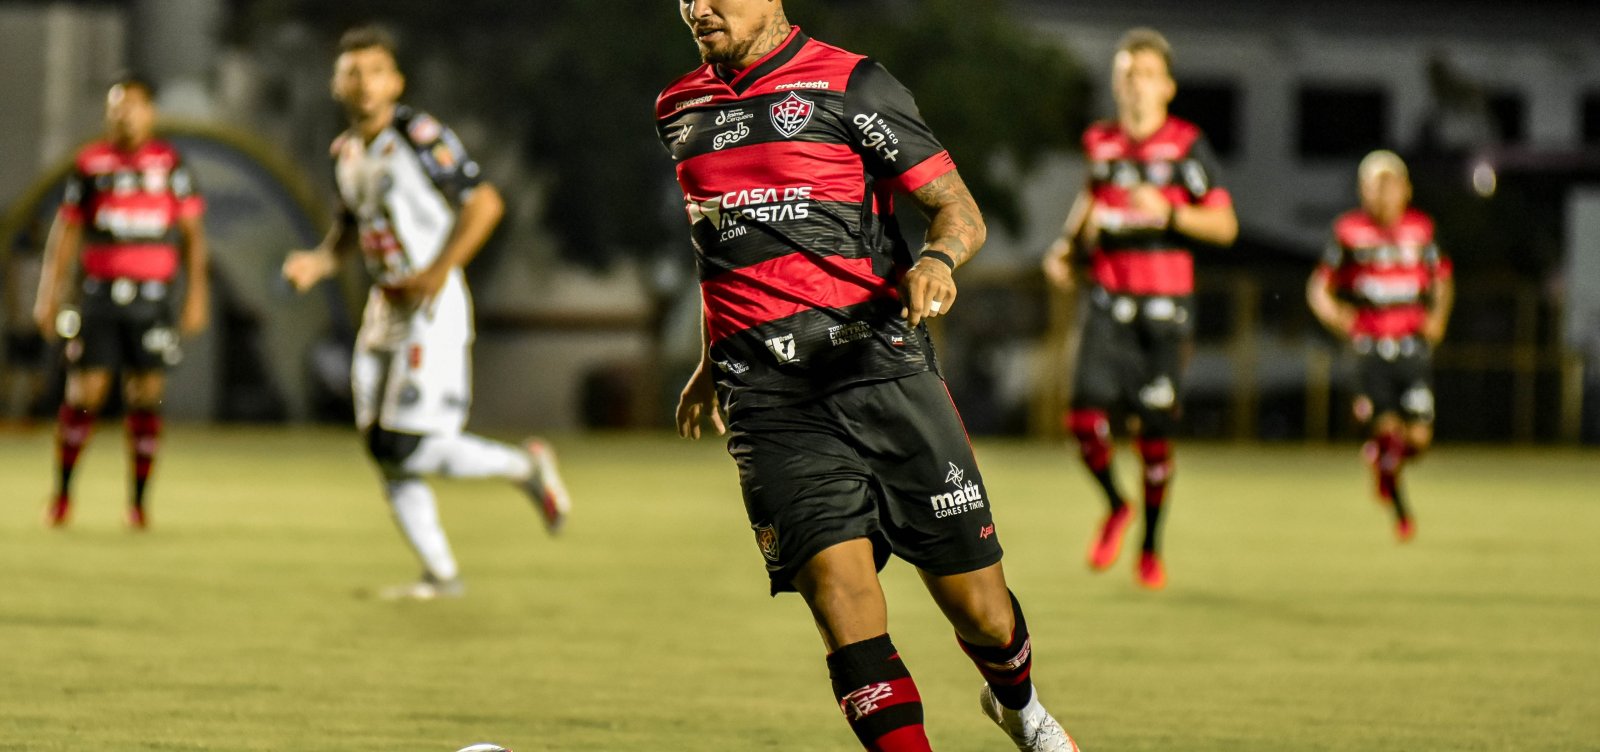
(782, 347)
(767, 541)
(425, 130)
(792, 114)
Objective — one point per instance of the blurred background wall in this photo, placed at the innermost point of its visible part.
(586, 296)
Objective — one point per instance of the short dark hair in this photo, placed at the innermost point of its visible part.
(1146, 39)
(130, 80)
(366, 38)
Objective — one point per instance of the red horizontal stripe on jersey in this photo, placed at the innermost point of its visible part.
(784, 286)
(925, 172)
(1145, 272)
(149, 261)
(1397, 321)
(833, 171)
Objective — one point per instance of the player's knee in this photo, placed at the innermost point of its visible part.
(391, 449)
(1088, 424)
(985, 621)
(1419, 438)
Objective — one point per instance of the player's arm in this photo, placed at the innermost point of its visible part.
(1076, 233)
(1444, 299)
(699, 397)
(1339, 317)
(480, 212)
(196, 264)
(1210, 219)
(955, 233)
(306, 267)
(60, 257)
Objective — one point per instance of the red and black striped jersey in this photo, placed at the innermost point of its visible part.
(788, 170)
(1137, 253)
(129, 204)
(1388, 273)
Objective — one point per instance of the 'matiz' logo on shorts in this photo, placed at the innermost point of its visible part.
(966, 497)
(791, 115)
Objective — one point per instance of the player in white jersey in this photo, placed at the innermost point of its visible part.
(413, 202)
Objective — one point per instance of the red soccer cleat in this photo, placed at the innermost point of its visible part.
(136, 518)
(55, 515)
(1152, 575)
(1109, 542)
(1405, 530)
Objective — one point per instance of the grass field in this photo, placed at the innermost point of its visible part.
(1293, 621)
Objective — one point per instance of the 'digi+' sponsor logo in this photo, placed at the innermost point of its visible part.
(966, 497)
(729, 211)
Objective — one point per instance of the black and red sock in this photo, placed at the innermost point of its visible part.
(877, 696)
(1392, 453)
(1093, 431)
(144, 437)
(1007, 669)
(1157, 456)
(73, 427)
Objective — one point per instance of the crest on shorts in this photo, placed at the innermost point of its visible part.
(791, 114)
(767, 541)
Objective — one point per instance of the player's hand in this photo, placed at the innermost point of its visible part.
(698, 401)
(1058, 265)
(1433, 332)
(1149, 200)
(195, 317)
(45, 312)
(1344, 322)
(421, 288)
(306, 268)
(928, 290)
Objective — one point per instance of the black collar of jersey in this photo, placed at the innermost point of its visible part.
(773, 60)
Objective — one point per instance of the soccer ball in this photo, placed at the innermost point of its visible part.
(484, 747)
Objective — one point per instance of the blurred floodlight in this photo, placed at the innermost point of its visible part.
(1484, 180)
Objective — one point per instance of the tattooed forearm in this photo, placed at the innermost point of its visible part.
(955, 225)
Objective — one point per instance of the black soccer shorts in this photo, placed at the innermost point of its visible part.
(124, 324)
(1396, 376)
(887, 460)
(1131, 357)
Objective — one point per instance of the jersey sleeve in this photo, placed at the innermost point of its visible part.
(887, 130)
(73, 197)
(1202, 175)
(186, 192)
(443, 157)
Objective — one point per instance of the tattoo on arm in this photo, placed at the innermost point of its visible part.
(955, 225)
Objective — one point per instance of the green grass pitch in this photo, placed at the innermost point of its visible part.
(1293, 621)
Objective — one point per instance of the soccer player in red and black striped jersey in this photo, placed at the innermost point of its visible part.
(132, 209)
(790, 154)
(1385, 288)
(1152, 191)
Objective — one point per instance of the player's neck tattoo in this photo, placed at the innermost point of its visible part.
(765, 42)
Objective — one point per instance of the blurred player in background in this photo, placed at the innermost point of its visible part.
(789, 152)
(412, 201)
(131, 208)
(1153, 190)
(1385, 288)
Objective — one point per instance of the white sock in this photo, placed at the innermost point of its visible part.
(465, 455)
(418, 516)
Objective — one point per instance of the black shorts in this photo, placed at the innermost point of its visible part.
(1396, 377)
(1131, 356)
(124, 325)
(888, 461)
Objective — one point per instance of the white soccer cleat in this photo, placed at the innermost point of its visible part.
(544, 486)
(426, 589)
(1031, 728)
